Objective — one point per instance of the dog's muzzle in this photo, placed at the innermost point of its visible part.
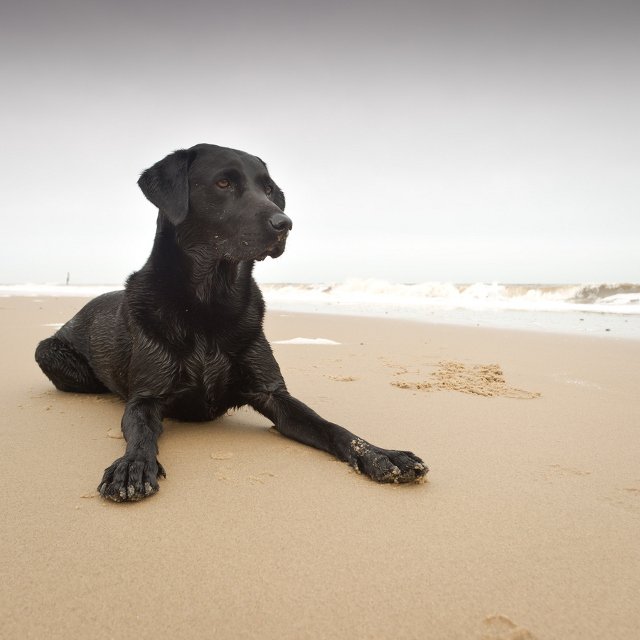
(281, 223)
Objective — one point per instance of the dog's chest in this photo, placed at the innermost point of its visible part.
(204, 364)
(204, 378)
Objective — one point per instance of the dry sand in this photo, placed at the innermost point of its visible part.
(527, 528)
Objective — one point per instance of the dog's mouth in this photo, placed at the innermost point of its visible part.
(276, 248)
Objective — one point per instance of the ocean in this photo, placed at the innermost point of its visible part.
(605, 309)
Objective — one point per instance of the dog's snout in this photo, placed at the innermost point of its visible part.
(280, 222)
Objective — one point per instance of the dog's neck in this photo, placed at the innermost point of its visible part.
(200, 273)
(211, 279)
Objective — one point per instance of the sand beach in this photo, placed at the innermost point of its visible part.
(527, 527)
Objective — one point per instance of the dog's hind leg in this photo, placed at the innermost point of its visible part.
(66, 368)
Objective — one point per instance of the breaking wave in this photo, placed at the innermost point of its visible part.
(599, 298)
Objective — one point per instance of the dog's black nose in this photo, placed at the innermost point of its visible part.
(280, 222)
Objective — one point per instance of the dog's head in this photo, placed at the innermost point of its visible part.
(219, 200)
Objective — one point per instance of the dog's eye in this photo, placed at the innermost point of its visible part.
(223, 183)
(268, 190)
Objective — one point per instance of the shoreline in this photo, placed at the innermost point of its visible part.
(525, 529)
(619, 323)
(476, 320)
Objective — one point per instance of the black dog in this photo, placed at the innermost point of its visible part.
(185, 338)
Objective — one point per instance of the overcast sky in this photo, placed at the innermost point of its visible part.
(416, 141)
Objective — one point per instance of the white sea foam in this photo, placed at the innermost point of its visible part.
(609, 298)
(320, 341)
(598, 309)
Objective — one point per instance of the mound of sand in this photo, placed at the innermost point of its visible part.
(478, 379)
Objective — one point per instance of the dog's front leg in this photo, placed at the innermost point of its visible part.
(295, 420)
(135, 475)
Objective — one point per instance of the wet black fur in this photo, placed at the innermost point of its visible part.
(185, 338)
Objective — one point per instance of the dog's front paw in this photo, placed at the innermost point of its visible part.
(385, 465)
(131, 478)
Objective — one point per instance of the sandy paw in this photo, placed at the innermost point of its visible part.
(131, 479)
(385, 465)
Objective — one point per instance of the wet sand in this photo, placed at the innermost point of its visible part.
(527, 527)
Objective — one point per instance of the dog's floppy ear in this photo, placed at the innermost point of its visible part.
(166, 184)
